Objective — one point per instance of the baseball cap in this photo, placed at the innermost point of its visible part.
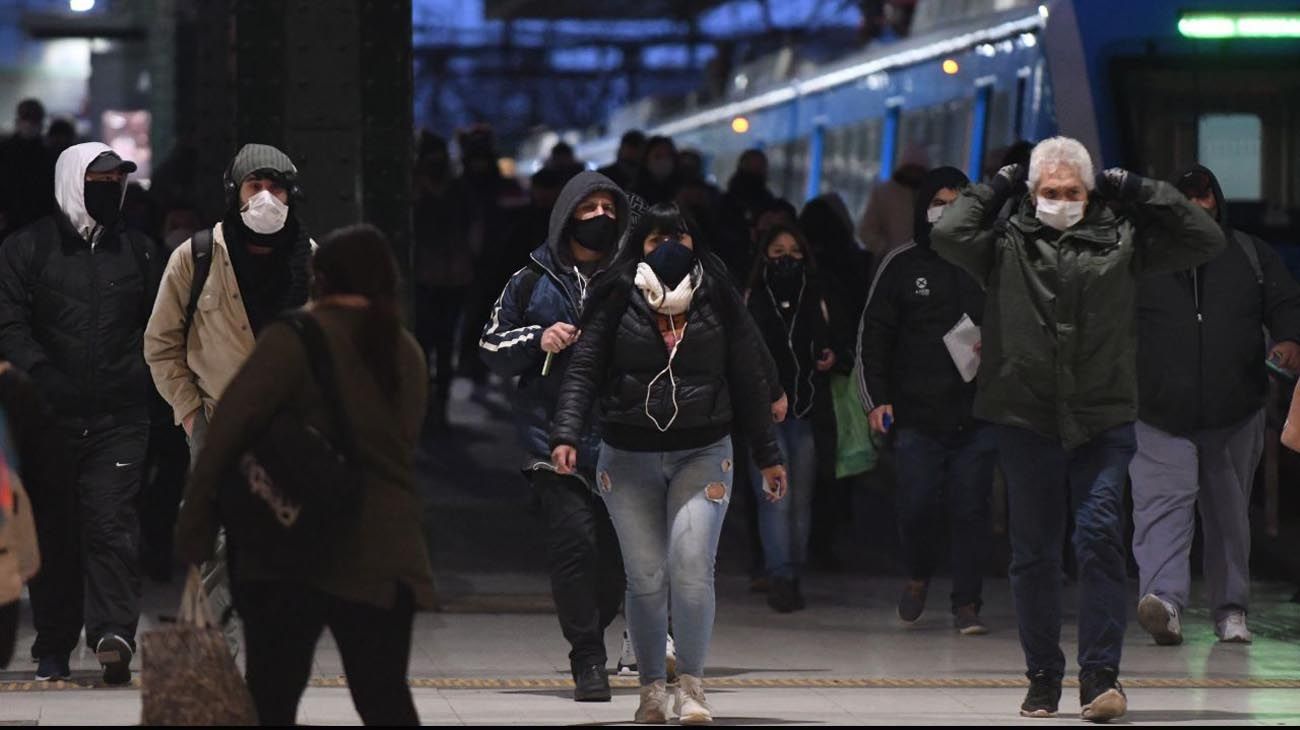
(110, 162)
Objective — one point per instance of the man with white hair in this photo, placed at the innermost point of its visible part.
(1059, 378)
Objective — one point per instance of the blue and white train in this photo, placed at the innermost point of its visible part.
(1153, 85)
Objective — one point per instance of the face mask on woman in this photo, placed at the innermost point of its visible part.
(264, 213)
(671, 262)
(1059, 214)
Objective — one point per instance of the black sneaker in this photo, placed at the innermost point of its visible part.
(591, 684)
(781, 597)
(912, 602)
(114, 655)
(53, 669)
(1044, 697)
(1101, 696)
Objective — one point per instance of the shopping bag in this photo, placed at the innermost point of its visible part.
(855, 452)
(188, 676)
(20, 556)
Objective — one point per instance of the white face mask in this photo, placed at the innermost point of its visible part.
(934, 214)
(264, 213)
(1060, 214)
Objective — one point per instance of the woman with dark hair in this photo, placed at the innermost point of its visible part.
(657, 180)
(676, 362)
(368, 584)
(785, 298)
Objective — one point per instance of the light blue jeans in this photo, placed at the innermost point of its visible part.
(784, 526)
(667, 508)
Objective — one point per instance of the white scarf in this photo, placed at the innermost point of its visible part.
(673, 302)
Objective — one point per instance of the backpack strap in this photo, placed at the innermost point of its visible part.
(1252, 255)
(201, 256)
(531, 274)
(321, 362)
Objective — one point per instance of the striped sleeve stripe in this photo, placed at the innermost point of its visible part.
(494, 341)
(859, 372)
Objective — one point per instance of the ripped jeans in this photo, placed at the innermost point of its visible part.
(667, 508)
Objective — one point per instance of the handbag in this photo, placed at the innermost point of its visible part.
(188, 675)
(20, 555)
(289, 497)
(855, 451)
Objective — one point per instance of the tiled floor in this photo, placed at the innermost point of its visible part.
(848, 633)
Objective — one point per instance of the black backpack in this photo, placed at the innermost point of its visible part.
(201, 255)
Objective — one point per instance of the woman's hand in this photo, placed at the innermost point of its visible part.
(877, 418)
(564, 459)
(827, 361)
(775, 485)
(780, 408)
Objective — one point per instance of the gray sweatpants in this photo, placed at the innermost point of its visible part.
(1212, 471)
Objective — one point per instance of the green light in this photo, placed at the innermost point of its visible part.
(1245, 25)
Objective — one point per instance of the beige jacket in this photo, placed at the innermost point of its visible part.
(220, 340)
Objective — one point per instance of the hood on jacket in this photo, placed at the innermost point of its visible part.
(575, 191)
(70, 184)
(1195, 181)
(934, 181)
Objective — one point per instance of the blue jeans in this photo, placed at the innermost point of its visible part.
(667, 509)
(784, 526)
(953, 468)
(1043, 480)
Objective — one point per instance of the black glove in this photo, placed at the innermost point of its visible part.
(1009, 181)
(1116, 183)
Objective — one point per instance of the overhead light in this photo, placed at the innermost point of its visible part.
(986, 49)
(1029, 39)
(1043, 12)
(81, 6)
(1239, 25)
(740, 125)
(950, 66)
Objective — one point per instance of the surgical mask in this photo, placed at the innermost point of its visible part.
(264, 213)
(934, 213)
(1059, 214)
(598, 233)
(671, 262)
(104, 201)
(660, 169)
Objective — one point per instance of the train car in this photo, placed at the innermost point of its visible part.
(1152, 85)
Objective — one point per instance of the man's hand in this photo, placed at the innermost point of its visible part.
(1286, 355)
(558, 337)
(775, 483)
(564, 459)
(1116, 183)
(780, 408)
(877, 418)
(827, 361)
(1009, 181)
(187, 423)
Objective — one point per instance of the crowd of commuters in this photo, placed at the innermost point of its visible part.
(671, 347)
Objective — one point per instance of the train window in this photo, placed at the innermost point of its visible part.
(787, 164)
(942, 130)
(1231, 145)
(851, 162)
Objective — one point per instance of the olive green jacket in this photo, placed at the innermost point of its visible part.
(1060, 323)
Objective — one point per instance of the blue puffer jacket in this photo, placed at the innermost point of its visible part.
(547, 291)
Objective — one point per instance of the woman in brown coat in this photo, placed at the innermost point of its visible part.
(369, 584)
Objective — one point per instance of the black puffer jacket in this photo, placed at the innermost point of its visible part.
(796, 332)
(1201, 338)
(73, 316)
(720, 374)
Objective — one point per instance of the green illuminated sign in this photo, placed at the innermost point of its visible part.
(1240, 25)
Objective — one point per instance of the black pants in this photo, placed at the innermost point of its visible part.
(282, 623)
(104, 467)
(586, 566)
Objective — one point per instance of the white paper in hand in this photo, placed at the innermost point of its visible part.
(961, 341)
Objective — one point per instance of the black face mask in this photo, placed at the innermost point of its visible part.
(596, 234)
(785, 276)
(104, 202)
(671, 262)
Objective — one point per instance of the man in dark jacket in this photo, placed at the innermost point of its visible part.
(75, 292)
(533, 324)
(27, 186)
(906, 374)
(1200, 434)
(1059, 378)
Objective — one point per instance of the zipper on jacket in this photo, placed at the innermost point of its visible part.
(93, 335)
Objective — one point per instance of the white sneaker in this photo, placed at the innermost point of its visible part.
(691, 707)
(1160, 619)
(670, 659)
(627, 660)
(653, 709)
(1232, 629)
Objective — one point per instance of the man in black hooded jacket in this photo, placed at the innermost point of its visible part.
(1202, 384)
(908, 383)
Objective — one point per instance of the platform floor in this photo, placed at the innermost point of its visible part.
(845, 660)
